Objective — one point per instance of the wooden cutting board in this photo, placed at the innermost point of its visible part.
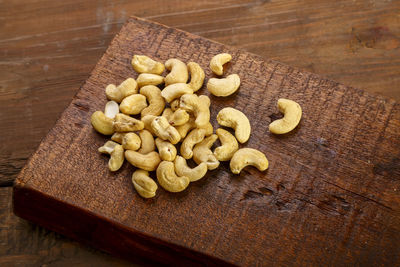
(331, 195)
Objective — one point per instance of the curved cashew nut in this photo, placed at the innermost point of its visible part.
(195, 174)
(111, 109)
(225, 86)
(178, 71)
(126, 88)
(174, 104)
(149, 79)
(217, 62)
(144, 185)
(229, 145)
(116, 153)
(101, 123)
(125, 123)
(235, 119)
(129, 140)
(156, 101)
(193, 138)
(291, 119)
(196, 76)
(144, 64)
(248, 156)
(175, 90)
(198, 107)
(147, 141)
(147, 162)
(133, 104)
(179, 117)
(147, 120)
(168, 179)
(164, 130)
(166, 149)
(203, 153)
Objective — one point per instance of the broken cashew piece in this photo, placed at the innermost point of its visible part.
(147, 162)
(197, 76)
(111, 109)
(144, 64)
(101, 123)
(178, 72)
(133, 104)
(199, 107)
(229, 145)
(116, 153)
(233, 118)
(217, 62)
(225, 86)
(179, 117)
(292, 115)
(174, 104)
(168, 179)
(149, 79)
(202, 152)
(166, 150)
(248, 157)
(175, 91)
(156, 101)
(144, 185)
(125, 123)
(164, 130)
(147, 141)
(194, 174)
(194, 137)
(126, 88)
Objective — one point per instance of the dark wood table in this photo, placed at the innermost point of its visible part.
(48, 48)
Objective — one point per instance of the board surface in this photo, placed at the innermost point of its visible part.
(330, 196)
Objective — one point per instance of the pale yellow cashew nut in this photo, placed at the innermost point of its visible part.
(202, 152)
(217, 62)
(198, 107)
(156, 101)
(116, 153)
(125, 123)
(225, 86)
(174, 104)
(101, 123)
(248, 157)
(292, 115)
(168, 179)
(197, 76)
(144, 185)
(147, 162)
(129, 140)
(166, 150)
(229, 145)
(194, 174)
(179, 117)
(147, 141)
(133, 104)
(144, 64)
(164, 130)
(149, 79)
(167, 113)
(126, 88)
(233, 118)
(194, 137)
(176, 90)
(147, 120)
(178, 72)
(185, 128)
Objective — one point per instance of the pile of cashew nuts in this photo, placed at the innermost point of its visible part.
(175, 115)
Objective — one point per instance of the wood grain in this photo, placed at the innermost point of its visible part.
(330, 196)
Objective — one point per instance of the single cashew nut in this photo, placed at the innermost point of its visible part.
(131, 141)
(133, 104)
(175, 90)
(174, 104)
(292, 115)
(147, 141)
(196, 76)
(111, 109)
(185, 128)
(195, 174)
(178, 71)
(126, 88)
(144, 64)
(198, 107)
(116, 153)
(233, 118)
(166, 149)
(193, 138)
(144, 185)
(147, 162)
(229, 145)
(225, 86)
(167, 113)
(156, 101)
(101, 123)
(149, 79)
(168, 179)
(217, 62)
(202, 152)
(147, 120)
(248, 156)
(179, 117)
(164, 130)
(125, 123)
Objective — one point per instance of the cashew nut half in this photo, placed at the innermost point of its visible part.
(116, 153)
(179, 117)
(175, 90)
(147, 141)
(229, 145)
(225, 86)
(164, 130)
(166, 149)
(126, 88)
(133, 104)
(178, 71)
(200, 109)
(129, 140)
(144, 185)
(195, 174)
(217, 62)
(196, 76)
(125, 123)
(111, 109)
(248, 156)
(203, 153)
(101, 123)
(149, 79)
(193, 138)
(174, 104)
(147, 162)
(235, 119)
(292, 115)
(168, 179)
(144, 64)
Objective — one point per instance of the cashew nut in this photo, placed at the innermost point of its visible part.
(133, 104)
(193, 138)
(164, 130)
(196, 76)
(185, 128)
(174, 104)
(144, 185)
(147, 162)
(125, 123)
(147, 120)
(144, 64)
(118, 137)
(147, 141)
(178, 71)
(225, 86)
(292, 115)
(126, 88)
(149, 79)
(217, 62)
(129, 140)
(166, 149)
(208, 129)
(116, 153)
(168, 179)
(229, 145)
(167, 113)
(203, 153)
(198, 107)
(235, 119)
(156, 101)
(248, 156)
(102, 123)
(195, 174)
(175, 90)
(111, 109)
(179, 117)
(205, 99)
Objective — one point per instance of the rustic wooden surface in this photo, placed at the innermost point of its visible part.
(330, 196)
(54, 44)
